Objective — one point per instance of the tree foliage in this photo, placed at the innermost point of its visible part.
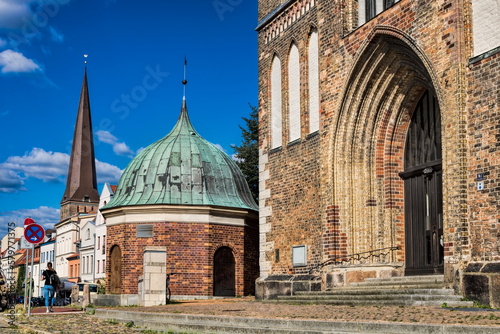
(20, 280)
(247, 155)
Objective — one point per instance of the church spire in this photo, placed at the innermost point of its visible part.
(81, 193)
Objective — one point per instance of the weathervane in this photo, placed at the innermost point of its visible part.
(184, 82)
(85, 59)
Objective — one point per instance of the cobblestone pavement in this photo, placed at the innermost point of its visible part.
(60, 323)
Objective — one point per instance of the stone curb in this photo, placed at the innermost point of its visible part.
(258, 325)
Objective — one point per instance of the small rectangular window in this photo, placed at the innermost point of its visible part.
(299, 256)
(144, 231)
(371, 9)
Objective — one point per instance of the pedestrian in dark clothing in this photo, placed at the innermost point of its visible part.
(49, 289)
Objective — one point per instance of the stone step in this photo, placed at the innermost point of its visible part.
(384, 291)
(397, 297)
(406, 285)
(437, 280)
(416, 278)
(424, 290)
(377, 302)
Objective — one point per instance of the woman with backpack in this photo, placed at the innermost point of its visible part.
(49, 289)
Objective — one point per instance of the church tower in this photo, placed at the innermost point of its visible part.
(81, 198)
(81, 195)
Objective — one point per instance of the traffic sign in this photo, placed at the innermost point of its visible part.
(34, 233)
(28, 221)
(25, 244)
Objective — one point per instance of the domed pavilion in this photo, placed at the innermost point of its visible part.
(182, 206)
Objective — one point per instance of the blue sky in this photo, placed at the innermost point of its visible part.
(136, 52)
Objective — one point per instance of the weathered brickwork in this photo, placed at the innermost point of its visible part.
(339, 192)
(190, 253)
(484, 152)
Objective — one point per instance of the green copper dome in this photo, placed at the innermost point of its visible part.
(183, 168)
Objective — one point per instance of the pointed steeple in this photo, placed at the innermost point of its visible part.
(81, 193)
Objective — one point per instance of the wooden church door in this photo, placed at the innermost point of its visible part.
(423, 190)
(224, 272)
(116, 270)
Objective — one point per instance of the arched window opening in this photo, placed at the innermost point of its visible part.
(313, 82)
(294, 93)
(276, 110)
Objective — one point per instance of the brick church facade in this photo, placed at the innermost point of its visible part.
(379, 142)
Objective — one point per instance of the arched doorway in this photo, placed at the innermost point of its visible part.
(224, 272)
(115, 282)
(424, 252)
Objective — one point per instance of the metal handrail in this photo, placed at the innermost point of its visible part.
(357, 256)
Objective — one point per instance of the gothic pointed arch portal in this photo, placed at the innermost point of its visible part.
(115, 282)
(384, 90)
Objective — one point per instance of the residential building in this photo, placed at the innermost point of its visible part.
(107, 194)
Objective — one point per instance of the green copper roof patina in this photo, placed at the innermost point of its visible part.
(183, 168)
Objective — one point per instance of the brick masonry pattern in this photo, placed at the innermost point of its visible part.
(190, 252)
(338, 191)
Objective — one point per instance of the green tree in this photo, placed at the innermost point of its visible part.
(247, 155)
(20, 280)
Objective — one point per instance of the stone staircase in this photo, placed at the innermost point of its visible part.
(396, 291)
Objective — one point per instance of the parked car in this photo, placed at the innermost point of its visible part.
(66, 286)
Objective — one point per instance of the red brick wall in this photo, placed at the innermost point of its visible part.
(190, 249)
(484, 152)
(341, 193)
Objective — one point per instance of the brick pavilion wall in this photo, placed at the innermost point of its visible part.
(190, 249)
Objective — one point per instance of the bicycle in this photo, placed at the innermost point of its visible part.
(168, 293)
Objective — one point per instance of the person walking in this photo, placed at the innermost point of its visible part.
(49, 288)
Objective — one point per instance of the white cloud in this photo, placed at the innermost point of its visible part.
(39, 164)
(10, 182)
(12, 13)
(42, 215)
(107, 173)
(219, 146)
(106, 137)
(15, 62)
(55, 35)
(25, 22)
(234, 157)
(48, 167)
(119, 148)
